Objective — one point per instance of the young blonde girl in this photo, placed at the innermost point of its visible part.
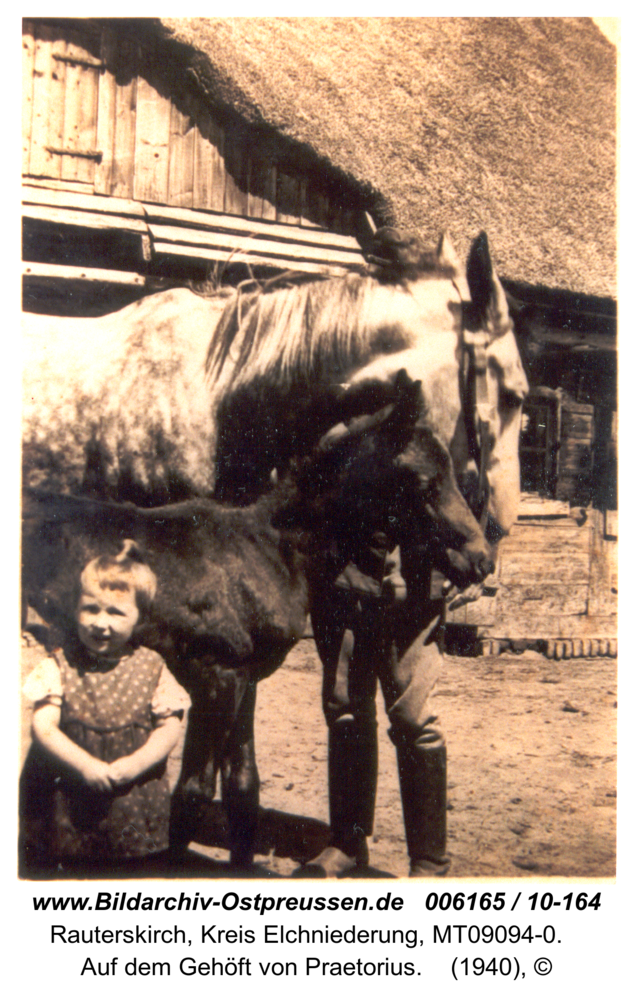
(107, 712)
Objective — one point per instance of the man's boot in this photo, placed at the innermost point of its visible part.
(352, 778)
(423, 777)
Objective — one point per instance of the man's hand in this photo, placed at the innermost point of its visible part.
(457, 599)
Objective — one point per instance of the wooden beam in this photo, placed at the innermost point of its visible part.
(190, 221)
(76, 200)
(251, 243)
(237, 224)
(90, 274)
(573, 340)
(50, 184)
(239, 257)
(90, 220)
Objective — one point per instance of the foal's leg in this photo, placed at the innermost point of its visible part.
(240, 778)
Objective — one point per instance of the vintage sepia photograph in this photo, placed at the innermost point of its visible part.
(319, 448)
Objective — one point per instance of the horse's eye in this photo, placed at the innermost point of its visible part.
(509, 400)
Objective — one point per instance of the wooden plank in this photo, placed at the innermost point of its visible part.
(80, 111)
(262, 187)
(602, 585)
(209, 163)
(237, 257)
(181, 159)
(540, 543)
(236, 224)
(349, 217)
(249, 244)
(540, 540)
(106, 113)
(545, 554)
(573, 341)
(562, 571)
(572, 406)
(32, 195)
(532, 506)
(90, 220)
(575, 456)
(335, 220)
(89, 274)
(577, 425)
(28, 62)
(51, 184)
(57, 104)
(48, 103)
(152, 143)
(122, 184)
(571, 600)
(315, 207)
(535, 626)
(236, 175)
(287, 199)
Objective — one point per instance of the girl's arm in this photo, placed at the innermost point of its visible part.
(47, 732)
(161, 741)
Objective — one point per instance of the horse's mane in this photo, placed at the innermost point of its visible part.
(311, 328)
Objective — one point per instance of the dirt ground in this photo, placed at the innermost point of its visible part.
(532, 764)
(532, 768)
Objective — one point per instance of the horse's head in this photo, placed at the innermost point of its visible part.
(390, 472)
(451, 328)
(485, 446)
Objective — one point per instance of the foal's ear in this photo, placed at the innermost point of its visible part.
(489, 306)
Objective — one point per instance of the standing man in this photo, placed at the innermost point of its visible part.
(380, 622)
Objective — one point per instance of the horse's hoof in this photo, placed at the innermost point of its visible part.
(331, 863)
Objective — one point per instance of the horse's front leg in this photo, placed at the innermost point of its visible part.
(240, 779)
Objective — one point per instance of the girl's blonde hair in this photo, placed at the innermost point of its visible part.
(125, 571)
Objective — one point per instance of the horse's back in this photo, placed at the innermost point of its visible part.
(133, 383)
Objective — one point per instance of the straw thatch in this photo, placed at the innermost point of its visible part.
(457, 124)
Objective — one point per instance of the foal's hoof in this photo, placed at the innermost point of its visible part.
(331, 863)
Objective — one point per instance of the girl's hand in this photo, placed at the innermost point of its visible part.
(123, 770)
(96, 774)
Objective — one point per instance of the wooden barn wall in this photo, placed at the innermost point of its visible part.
(100, 116)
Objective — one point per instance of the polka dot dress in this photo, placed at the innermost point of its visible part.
(107, 710)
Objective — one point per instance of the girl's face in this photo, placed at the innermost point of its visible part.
(106, 620)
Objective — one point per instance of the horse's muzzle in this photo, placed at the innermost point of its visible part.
(469, 565)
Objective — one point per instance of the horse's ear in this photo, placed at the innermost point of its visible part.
(449, 263)
(447, 256)
(487, 295)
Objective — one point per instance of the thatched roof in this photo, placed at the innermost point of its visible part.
(461, 124)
